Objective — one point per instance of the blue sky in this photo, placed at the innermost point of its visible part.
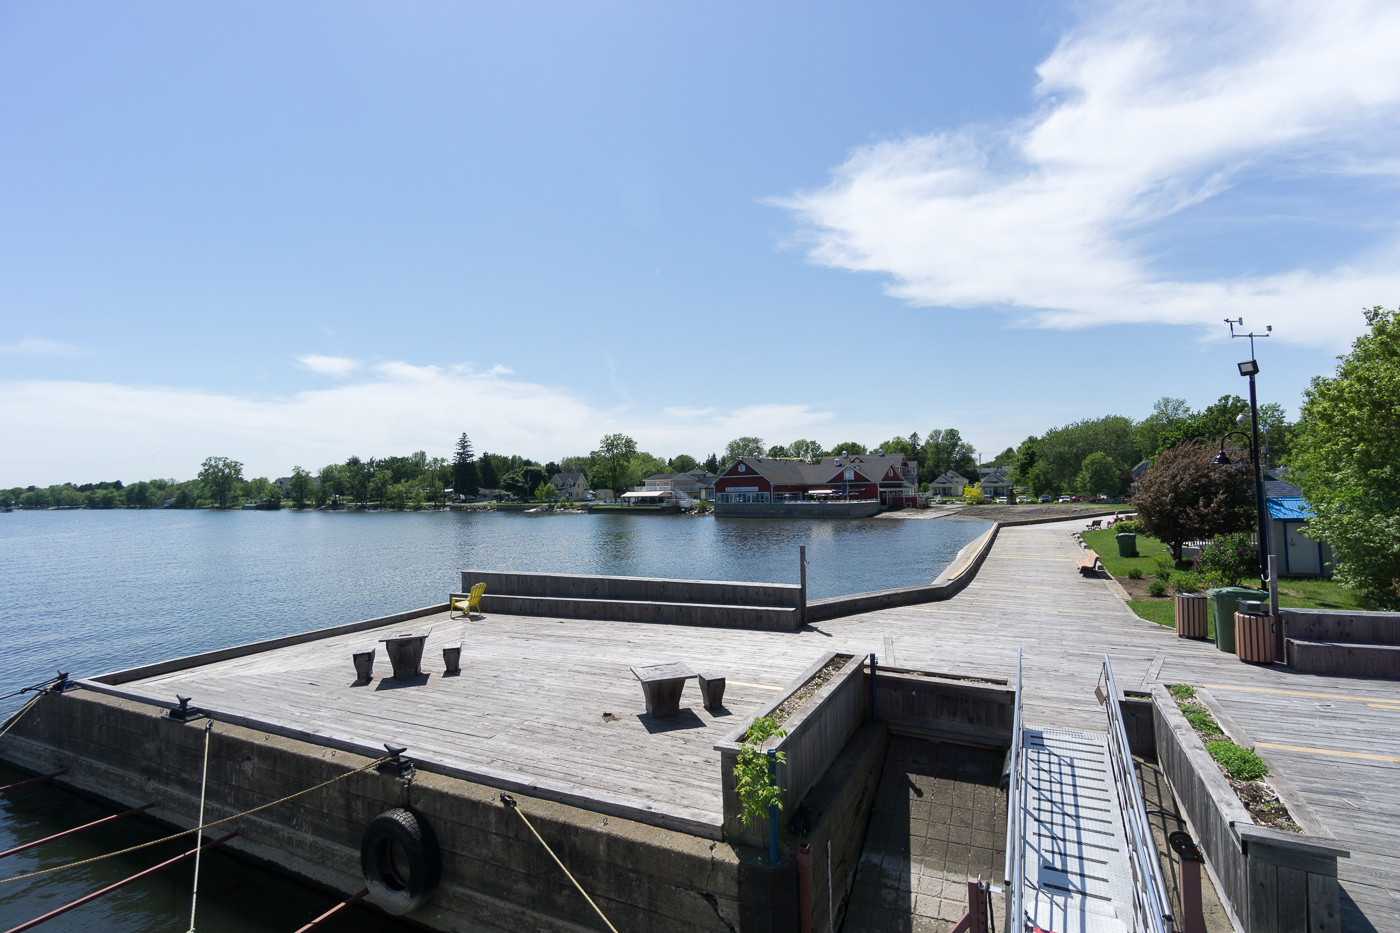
(290, 233)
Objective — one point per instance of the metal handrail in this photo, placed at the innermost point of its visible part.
(1149, 893)
(1015, 818)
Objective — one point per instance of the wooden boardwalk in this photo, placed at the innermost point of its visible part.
(530, 702)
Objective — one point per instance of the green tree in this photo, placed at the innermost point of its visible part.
(1099, 476)
(682, 463)
(1007, 458)
(807, 450)
(523, 481)
(899, 445)
(849, 447)
(487, 475)
(546, 492)
(465, 479)
(220, 477)
(379, 484)
(945, 450)
(1025, 461)
(1186, 497)
(777, 452)
(1166, 411)
(1345, 460)
(614, 460)
(1061, 451)
(357, 474)
(397, 496)
(712, 463)
(743, 447)
(300, 486)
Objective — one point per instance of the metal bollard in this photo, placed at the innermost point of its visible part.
(774, 858)
(874, 697)
(1190, 856)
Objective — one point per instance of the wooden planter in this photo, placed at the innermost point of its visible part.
(1270, 881)
(1254, 638)
(1191, 613)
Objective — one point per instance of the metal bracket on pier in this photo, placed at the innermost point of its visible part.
(183, 712)
(398, 765)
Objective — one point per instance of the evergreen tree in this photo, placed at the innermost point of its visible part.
(487, 475)
(465, 480)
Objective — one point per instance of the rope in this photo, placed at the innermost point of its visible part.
(197, 829)
(509, 801)
(14, 720)
(203, 786)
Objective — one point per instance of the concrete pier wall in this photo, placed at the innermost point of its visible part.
(496, 876)
(862, 509)
(759, 606)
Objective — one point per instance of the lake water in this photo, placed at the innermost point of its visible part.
(95, 591)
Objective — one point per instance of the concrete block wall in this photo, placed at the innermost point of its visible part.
(956, 710)
(495, 874)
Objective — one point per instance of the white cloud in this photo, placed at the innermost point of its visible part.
(67, 430)
(37, 346)
(682, 412)
(339, 366)
(1147, 109)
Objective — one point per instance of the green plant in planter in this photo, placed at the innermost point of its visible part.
(1200, 719)
(1242, 764)
(756, 793)
(1182, 691)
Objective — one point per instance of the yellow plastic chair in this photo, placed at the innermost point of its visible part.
(473, 603)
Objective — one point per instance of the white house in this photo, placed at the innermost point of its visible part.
(949, 484)
(571, 486)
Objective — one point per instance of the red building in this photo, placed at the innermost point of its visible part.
(890, 478)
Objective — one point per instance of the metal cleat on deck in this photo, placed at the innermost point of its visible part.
(184, 712)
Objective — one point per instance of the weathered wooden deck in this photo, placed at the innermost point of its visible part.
(528, 706)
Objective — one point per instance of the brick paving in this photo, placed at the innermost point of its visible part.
(939, 817)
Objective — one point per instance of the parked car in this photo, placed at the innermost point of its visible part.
(1077, 499)
(1001, 500)
(1066, 499)
(1047, 498)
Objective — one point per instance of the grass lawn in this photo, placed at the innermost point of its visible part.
(1293, 592)
(1106, 546)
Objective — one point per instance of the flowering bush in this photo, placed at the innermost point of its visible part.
(1226, 560)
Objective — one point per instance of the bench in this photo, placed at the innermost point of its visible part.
(1088, 564)
(1096, 523)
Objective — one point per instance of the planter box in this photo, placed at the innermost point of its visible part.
(1270, 881)
(817, 733)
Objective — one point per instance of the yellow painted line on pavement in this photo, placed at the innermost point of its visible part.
(1336, 753)
(1380, 706)
(1299, 693)
(740, 683)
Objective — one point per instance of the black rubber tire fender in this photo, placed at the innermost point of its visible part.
(400, 859)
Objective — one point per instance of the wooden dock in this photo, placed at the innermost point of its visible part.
(530, 706)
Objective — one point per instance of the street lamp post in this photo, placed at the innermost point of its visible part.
(1250, 368)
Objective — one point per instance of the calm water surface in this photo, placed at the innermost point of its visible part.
(90, 592)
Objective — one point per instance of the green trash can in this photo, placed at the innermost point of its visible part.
(1127, 544)
(1224, 602)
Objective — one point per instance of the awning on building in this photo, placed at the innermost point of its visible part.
(646, 494)
(822, 492)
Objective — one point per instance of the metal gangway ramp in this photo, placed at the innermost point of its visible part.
(1080, 857)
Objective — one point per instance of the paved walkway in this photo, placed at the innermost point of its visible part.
(529, 704)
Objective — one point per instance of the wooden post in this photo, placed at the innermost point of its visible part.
(802, 596)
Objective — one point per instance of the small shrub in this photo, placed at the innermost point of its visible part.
(1184, 581)
(1226, 559)
(1242, 764)
(1135, 574)
(1163, 570)
(1156, 588)
(751, 782)
(1200, 719)
(1182, 691)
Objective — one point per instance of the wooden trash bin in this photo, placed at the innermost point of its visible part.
(1254, 637)
(1191, 616)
